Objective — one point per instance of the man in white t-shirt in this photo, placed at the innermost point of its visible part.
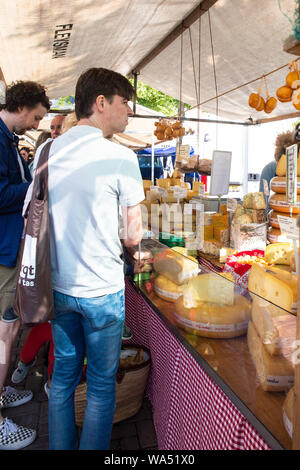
(91, 180)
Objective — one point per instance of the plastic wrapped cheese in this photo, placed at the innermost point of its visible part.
(275, 373)
(276, 329)
(166, 289)
(279, 204)
(288, 412)
(174, 266)
(212, 320)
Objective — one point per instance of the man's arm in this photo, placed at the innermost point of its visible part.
(132, 232)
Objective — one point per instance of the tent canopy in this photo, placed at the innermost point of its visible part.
(238, 41)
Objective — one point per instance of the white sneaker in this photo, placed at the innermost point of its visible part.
(12, 397)
(14, 437)
(21, 371)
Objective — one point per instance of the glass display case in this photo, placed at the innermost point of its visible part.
(243, 341)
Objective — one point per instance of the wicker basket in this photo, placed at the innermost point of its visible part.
(130, 389)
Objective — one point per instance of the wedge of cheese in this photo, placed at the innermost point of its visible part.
(288, 412)
(279, 253)
(276, 329)
(270, 286)
(210, 287)
(275, 373)
(174, 266)
(211, 320)
(166, 289)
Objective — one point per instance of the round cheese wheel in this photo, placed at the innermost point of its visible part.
(279, 204)
(278, 184)
(288, 412)
(273, 234)
(212, 320)
(273, 220)
(166, 289)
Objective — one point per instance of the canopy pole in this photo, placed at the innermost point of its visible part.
(296, 401)
(135, 90)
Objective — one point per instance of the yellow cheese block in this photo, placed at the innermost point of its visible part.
(220, 220)
(275, 373)
(273, 220)
(147, 184)
(211, 320)
(266, 284)
(278, 184)
(281, 166)
(174, 266)
(210, 287)
(208, 232)
(279, 253)
(167, 289)
(221, 234)
(254, 201)
(163, 183)
(279, 204)
(288, 412)
(276, 329)
(289, 278)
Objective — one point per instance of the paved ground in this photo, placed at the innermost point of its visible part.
(135, 433)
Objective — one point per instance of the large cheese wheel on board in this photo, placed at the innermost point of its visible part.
(275, 373)
(273, 220)
(288, 412)
(278, 184)
(279, 204)
(211, 320)
(166, 289)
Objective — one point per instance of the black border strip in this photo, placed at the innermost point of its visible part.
(256, 423)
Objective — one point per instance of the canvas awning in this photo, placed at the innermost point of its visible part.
(241, 40)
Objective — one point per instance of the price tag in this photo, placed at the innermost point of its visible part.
(163, 192)
(231, 204)
(266, 187)
(201, 190)
(288, 226)
(188, 209)
(291, 174)
(179, 192)
(182, 151)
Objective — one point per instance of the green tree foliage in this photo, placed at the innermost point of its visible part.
(156, 100)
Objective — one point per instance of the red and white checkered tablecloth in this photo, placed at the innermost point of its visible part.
(190, 411)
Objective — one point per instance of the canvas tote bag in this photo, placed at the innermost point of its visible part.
(33, 301)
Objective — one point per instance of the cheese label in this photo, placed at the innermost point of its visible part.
(280, 380)
(291, 174)
(211, 326)
(288, 424)
(288, 225)
(168, 294)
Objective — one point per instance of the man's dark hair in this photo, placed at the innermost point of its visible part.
(26, 149)
(28, 94)
(99, 81)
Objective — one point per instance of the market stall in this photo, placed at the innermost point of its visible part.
(207, 391)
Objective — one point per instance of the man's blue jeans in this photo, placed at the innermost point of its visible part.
(91, 326)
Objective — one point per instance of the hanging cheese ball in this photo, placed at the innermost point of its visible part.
(270, 104)
(284, 94)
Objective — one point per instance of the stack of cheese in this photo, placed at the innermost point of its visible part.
(209, 307)
(277, 201)
(216, 231)
(252, 211)
(175, 269)
(272, 331)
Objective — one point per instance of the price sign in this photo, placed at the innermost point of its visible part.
(220, 172)
(231, 204)
(182, 151)
(163, 192)
(291, 174)
(288, 226)
(179, 192)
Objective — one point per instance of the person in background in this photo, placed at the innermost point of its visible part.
(26, 104)
(25, 153)
(56, 126)
(90, 179)
(283, 140)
